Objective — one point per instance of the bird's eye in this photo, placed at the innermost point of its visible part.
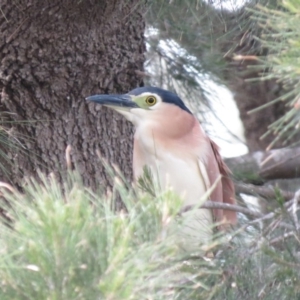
(150, 100)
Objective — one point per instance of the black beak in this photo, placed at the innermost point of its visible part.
(124, 101)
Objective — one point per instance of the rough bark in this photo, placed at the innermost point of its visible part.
(55, 53)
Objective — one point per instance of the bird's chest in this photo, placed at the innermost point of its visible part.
(171, 165)
(153, 151)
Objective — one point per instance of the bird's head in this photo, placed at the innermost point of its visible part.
(141, 103)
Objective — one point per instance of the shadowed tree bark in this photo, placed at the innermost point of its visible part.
(54, 54)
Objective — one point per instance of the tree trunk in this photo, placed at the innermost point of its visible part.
(54, 54)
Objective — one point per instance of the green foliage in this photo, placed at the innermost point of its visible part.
(68, 243)
(11, 142)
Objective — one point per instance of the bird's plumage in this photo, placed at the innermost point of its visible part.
(171, 142)
(191, 148)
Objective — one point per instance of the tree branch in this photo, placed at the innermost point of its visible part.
(218, 205)
(267, 192)
(265, 165)
(262, 217)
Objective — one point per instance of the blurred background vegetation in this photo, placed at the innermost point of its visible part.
(247, 46)
(67, 242)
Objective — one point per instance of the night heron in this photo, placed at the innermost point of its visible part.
(171, 142)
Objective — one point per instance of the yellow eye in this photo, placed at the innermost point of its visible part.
(151, 100)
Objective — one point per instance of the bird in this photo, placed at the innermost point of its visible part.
(170, 141)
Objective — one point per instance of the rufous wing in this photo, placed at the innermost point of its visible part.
(228, 192)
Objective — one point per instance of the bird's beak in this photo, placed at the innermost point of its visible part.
(118, 102)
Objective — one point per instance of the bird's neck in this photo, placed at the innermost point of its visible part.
(168, 123)
(162, 137)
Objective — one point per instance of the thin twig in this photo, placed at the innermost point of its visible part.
(282, 237)
(68, 157)
(276, 211)
(245, 57)
(7, 186)
(16, 31)
(271, 227)
(218, 205)
(294, 209)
